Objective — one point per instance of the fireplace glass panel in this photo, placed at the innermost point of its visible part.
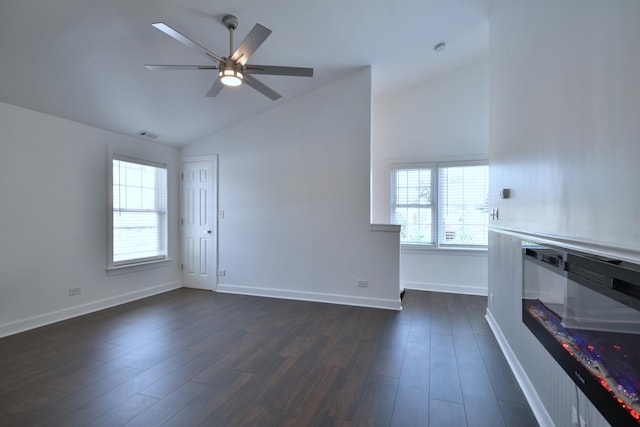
(575, 305)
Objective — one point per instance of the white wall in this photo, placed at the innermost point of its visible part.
(294, 187)
(53, 192)
(565, 97)
(565, 123)
(443, 119)
(450, 270)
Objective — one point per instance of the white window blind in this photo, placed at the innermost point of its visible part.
(463, 205)
(441, 204)
(139, 218)
(412, 204)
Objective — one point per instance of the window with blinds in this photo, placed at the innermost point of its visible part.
(441, 204)
(463, 208)
(412, 204)
(139, 217)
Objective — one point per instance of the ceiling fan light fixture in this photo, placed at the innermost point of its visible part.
(230, 76)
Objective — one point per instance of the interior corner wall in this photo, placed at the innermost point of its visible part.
(443, 119)
(53, 187)
(565, 96)
(293, 183)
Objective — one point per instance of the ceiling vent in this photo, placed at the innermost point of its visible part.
(147, 134)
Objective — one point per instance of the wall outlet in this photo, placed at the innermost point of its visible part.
(574, 418)
(221, 272)
(361, 283)
(75, 291)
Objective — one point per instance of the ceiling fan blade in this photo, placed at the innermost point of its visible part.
(279, 71)
(261, 87)
(181, 67)
(187, 41)
(250, 44)
(215, 89)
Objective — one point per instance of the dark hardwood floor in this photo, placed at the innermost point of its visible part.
(187, 358)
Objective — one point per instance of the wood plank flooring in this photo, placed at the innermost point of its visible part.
(188, 357)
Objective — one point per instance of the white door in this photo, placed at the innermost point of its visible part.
(199, 234)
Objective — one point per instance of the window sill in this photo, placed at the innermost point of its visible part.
(469, 251)
(130, 268)
(394, 228)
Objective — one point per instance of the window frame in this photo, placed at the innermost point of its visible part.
(433, 205)
(133, 262)
(435, 167)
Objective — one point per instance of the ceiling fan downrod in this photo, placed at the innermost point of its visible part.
(231, 23)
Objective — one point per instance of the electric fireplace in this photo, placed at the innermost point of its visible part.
(585, 310)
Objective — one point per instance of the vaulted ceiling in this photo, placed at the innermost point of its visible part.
(84, 60)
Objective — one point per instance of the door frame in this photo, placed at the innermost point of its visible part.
(213, 158)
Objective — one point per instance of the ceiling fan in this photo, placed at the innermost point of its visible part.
(234, 70)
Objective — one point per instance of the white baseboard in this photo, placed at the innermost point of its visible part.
(388, 304)
(78, 310)
(529, 391)
(446, 288)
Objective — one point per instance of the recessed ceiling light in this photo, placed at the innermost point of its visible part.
(440, 47)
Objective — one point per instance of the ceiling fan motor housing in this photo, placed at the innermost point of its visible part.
(232, 66)
(230, 21)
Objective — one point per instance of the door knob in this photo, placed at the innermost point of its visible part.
(207, 232)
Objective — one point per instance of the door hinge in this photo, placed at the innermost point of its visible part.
(182, 221)
(182, 176)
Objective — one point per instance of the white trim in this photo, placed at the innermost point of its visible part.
(130, 268)
(453, 160)
(529, 391)
(137, 160)
(388, 304)
(443, 250)
(446, 288)
(395, 228)
(213, 158)
(111, 156)
(612, 250)
(437, 224)
(204, 158)
(79, 310)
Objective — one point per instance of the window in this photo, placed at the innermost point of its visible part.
(139, 214)
(413, 204)
(441, 204)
